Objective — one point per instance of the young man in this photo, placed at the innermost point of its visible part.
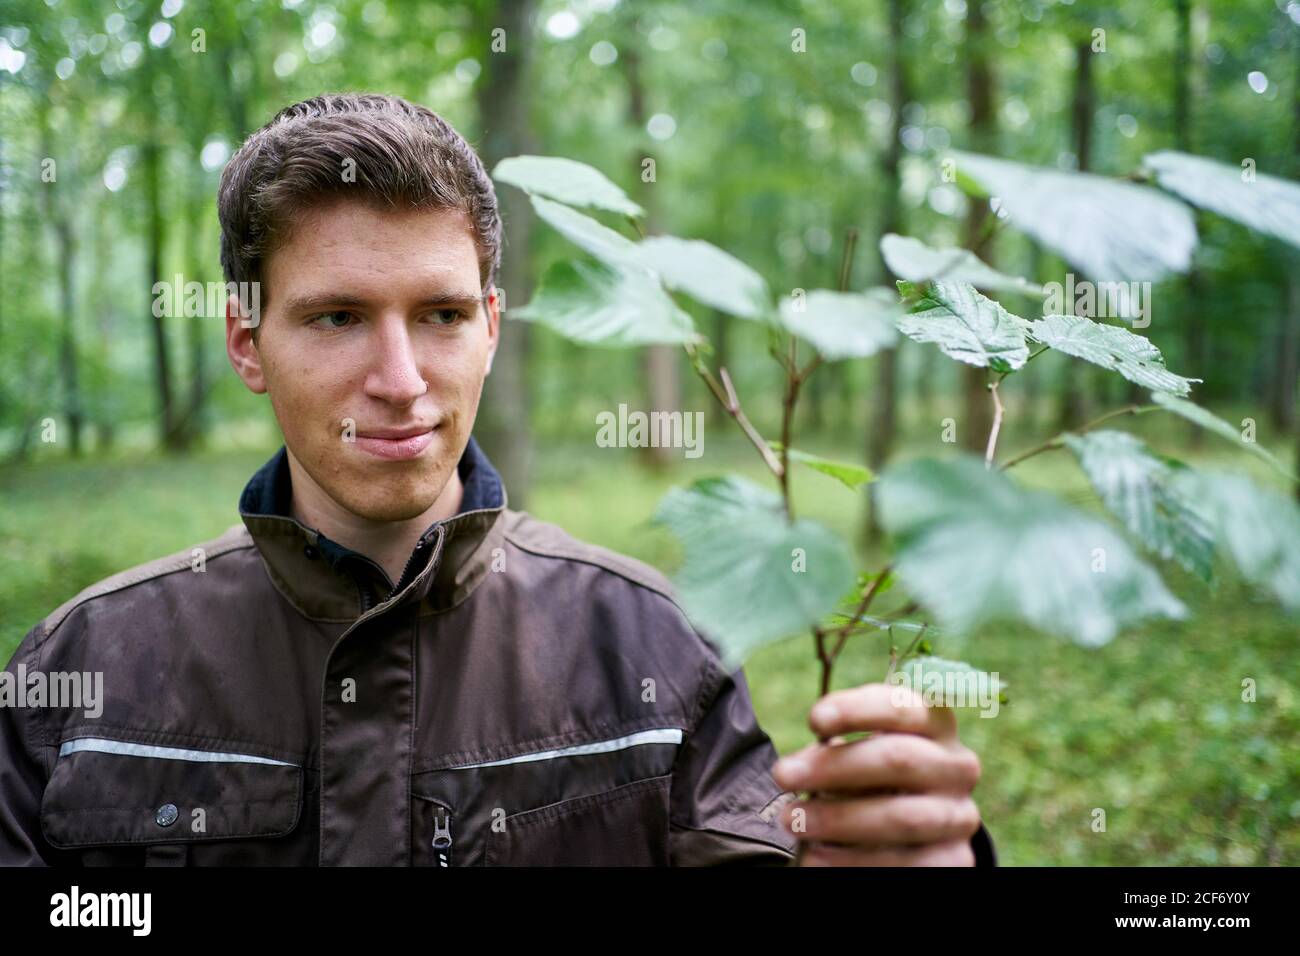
(383, 664)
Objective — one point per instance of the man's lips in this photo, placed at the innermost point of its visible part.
(396, 444)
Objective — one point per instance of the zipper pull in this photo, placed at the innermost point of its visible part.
(442, 836)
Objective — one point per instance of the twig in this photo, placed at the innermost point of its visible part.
(992, 448)
(1059, 440)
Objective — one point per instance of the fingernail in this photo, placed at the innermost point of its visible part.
(792, 769)
(825, 713)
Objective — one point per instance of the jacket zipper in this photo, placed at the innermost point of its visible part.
(441, 835)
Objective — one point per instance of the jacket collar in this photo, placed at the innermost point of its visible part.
(327, 580)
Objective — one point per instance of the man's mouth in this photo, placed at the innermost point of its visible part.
(396, 444)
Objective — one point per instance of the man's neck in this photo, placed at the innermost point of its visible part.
(388, 543)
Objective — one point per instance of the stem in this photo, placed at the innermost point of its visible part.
(725, 393)
(992, 448)
(1059, 440)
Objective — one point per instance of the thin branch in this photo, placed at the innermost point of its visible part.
(725, 393)
(1059, 440)
(992, 448)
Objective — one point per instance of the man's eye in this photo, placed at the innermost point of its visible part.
(333, 320)
(447, 316)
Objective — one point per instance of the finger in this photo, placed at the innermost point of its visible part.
(954, 853)
(881, 707)
(902, 761)
(878, 821)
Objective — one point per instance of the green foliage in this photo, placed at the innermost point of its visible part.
(1110, 347)
(1213, 423)
(599, 304)
(964, 324)
(1265, 203)
(1139, 489)
(1107, 229)
(708, 275)
(566, 181)
(749, 576)
(843, 325)
(975, 548)
(916, 262)
(850, 475)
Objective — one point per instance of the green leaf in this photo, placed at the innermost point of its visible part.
(567, 181)
(965, 325)
(843, 325)
(1211, 422)
(945, 683)
(1107, 229)
(1111, 347)
(707, 274)
(1266, 203)
(976, 548)
(739, 582)
(1138, 489)
(850, 475)
(1256, 527)
(913, 260)
(600, 241)
(597, 304)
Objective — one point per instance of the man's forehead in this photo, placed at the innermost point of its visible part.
(375, 251)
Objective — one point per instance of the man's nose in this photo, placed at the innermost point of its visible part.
(394, 374)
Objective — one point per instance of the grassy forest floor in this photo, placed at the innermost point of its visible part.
(1150, 728)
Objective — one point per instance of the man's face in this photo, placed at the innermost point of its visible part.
(374, 329)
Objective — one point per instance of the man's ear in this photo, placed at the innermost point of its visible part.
(494, 325)
(240, 347)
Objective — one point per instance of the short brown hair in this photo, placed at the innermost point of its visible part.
(401, 154)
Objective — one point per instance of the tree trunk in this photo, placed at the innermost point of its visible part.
(883, 424)
(1074, 397)
(980, 94)
(503, 426)
(59, 220)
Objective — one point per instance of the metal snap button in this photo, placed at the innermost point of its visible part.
(311, 552)
(166, 815)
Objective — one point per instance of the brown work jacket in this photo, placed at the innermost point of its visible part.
(518, 697)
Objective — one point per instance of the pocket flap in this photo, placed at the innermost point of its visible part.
(105, 792)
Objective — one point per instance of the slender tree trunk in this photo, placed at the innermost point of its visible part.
(504, 427)
(1195, 333)
(1074, 398)
(58, 218)
(883, 425)
(661, 363)
(980, 94)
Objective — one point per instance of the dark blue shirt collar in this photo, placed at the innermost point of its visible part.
(270, 492)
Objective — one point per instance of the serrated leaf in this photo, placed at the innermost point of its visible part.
(566, 181)
(738, 581)
(605, 244)
(850, 475)
(1110, 347)
(965, 325)
(1138, 489)
(1211, 422)
(1267, 204)
(707, 274)
(945, 683)
(1256, 527)
(913, 260)
(843, 325)
(1107, 229)
(598, 304)
(975, 548)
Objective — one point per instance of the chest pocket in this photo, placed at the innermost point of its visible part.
(604, 802)
(114, 802)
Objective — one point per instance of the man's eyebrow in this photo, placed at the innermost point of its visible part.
(320, 301)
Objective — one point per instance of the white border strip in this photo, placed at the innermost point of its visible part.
(105, 746)
(660, 735)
